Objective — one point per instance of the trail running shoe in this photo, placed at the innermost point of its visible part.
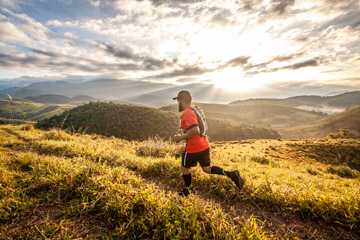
(235, 176)
(186, 191)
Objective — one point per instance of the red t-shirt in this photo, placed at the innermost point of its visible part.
(198, 143)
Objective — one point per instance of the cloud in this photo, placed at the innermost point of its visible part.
(252, 70)
(186, 80)
(148, 63)
(40, 52)
(307, 63)
(63, 63)
(175, 2)
(9, 32)
(156, 64)
(279, 7)
(29, 26)
(185, 40)
(130, 6)
(71, 36)
(77, 64)
(222, 17)
(238, 61)
(95, 3)
(249, 67)
(126, 53)
(57, 23)
(11, 3)
(337, 4)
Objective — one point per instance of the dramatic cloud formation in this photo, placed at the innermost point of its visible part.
(234, 44)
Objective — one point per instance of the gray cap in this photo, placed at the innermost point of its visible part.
(183, 95)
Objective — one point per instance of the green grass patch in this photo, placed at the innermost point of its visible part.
(114, 194)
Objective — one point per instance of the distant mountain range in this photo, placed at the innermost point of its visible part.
(60, 99)
(146, 93)
(160, 94)
(27, 80)
(326, 104)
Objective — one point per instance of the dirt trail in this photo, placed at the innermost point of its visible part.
(47, 220)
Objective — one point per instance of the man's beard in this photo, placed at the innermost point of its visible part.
(181, 108)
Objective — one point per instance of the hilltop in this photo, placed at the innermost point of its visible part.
(139, 123)
(109, 119)
(349, 120)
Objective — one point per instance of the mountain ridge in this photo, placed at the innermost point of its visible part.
(348, 120)
(161, 94)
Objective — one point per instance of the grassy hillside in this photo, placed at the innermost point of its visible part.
(28, 110)
(4, 93)
(109, 119)
(14, 121)
(349, 119)
(260, 115)
(61, 186)
(345, 100)
(49, 98)
(139, 123)
(82, 98)
(224, 130)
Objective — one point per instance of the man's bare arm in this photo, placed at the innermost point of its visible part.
(188, 135)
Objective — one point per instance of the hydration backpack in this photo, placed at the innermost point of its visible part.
(201, 119)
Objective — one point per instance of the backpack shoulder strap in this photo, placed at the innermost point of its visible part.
(201, 120)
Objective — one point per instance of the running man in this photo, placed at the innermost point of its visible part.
(197, 146)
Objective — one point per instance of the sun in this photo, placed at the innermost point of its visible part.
(233, 79)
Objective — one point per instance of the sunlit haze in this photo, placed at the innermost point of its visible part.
(240, 46)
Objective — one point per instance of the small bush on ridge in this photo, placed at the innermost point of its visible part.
(57, 134)
(344, 172)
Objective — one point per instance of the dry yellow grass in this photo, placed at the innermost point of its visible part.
(293, 176)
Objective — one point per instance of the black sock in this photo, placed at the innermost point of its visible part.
(218, 170)
(187, 179)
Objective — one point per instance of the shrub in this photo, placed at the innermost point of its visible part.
(342, 133)
(344, 172)
(261, 160)
(57, 134)
(312, 172)
(28, 127)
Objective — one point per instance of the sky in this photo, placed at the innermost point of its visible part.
(236, 45)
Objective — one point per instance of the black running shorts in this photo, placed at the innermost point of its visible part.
(189, 160)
